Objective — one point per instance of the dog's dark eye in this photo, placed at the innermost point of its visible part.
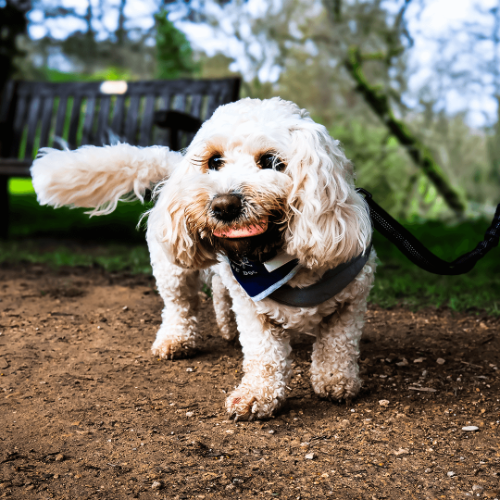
(271, 161)
(215, 162)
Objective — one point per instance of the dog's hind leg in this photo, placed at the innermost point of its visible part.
(223, 312)
(178, 333)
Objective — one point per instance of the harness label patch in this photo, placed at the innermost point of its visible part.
(257, 281)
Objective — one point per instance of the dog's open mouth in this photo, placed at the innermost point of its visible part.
(243, 232)
(259, 241)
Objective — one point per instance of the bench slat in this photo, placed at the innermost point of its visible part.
(132, 119)
(48, 107)
(74, 121)
(147, 120)
(7, 102)
(33, 116)
(211, 106)
(89, 121)
(60, 119)
(196, 105)
(102, 121)
(117, 122)
(19, 122)
(195, 110)
(175, 134)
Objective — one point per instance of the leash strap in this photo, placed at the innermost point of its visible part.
(421, 256)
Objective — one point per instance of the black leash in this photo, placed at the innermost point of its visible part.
(421, 256)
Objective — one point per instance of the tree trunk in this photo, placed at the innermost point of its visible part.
(423, 158)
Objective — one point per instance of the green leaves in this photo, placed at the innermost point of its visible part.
(173, 51)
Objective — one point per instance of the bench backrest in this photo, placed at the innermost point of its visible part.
(36, 114)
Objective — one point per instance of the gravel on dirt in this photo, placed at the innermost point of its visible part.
(87, 412)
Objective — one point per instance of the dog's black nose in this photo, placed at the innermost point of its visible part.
(226, 207)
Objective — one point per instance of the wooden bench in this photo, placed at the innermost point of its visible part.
(38, 114)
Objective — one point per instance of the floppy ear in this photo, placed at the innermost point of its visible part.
(329, 221)
(167, 222)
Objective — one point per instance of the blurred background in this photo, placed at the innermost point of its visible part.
(410, 88)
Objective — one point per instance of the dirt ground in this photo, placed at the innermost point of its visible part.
(87, 412)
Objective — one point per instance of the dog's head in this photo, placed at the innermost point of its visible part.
(261, 177)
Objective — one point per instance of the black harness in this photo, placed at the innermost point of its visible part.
(336, 279)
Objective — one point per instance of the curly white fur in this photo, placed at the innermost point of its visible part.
(324, 223)
(99, 177)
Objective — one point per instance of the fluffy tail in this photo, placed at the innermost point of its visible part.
(98, 177)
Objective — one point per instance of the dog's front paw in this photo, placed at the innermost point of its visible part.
(247, 404)
(170, 349)
(336, 385)
(170, 343)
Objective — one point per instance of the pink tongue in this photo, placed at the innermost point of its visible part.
(242, 232)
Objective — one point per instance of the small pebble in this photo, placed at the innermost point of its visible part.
(310, 456)
(427, 471)
(156, 485)
(419, 360)
(440, 361)
(189, 414)
(470, 428)
(125, 308)
(59, 457)
(383, 402)
(450, 474)
(189, 369)
(477, 487)
(271, 431)
(402, 451)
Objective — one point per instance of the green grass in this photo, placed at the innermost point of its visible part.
(29, 219)
(20, 186)
(70, 237)
(112, 257)
(399, 281)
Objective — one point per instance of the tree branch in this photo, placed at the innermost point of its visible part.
(378, 101)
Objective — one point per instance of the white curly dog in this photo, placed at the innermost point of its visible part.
(263, 184)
